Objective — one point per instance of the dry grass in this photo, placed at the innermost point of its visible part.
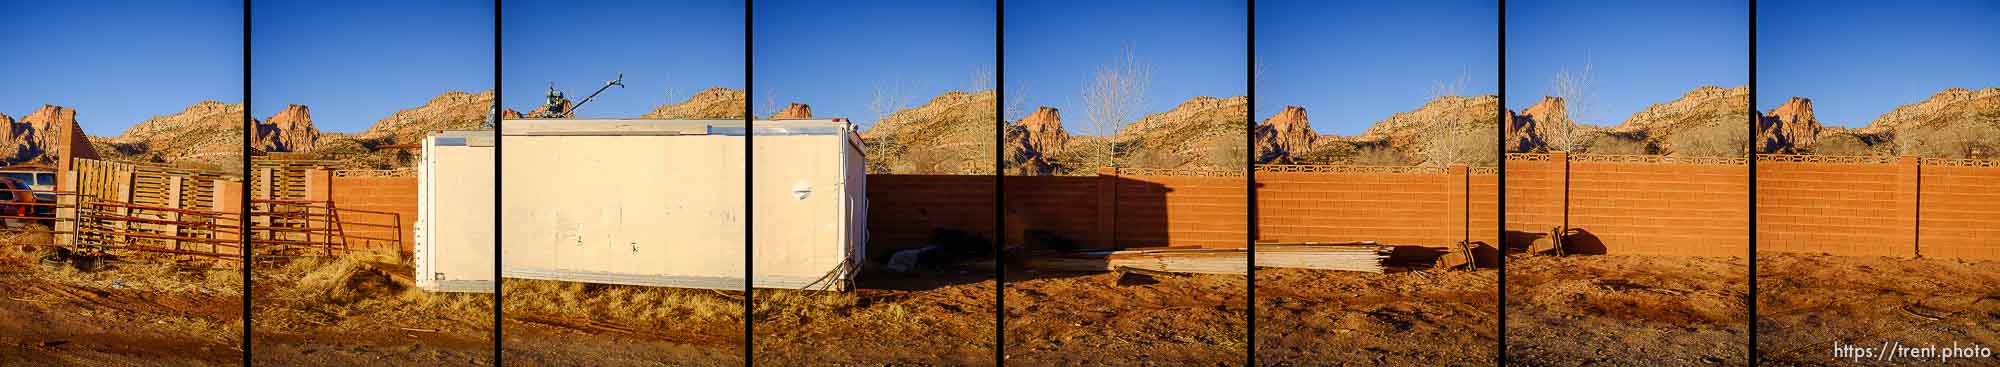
(802, 307)
(895, 323)
(162, 273)
(623, 304)
(322, 292)
(170, 293)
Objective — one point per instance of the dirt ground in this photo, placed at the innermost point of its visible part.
(358, 310)
(155, 312)
(1438, 318)
(1084, 319)
(889, 321)
(1808, 303)
(938, 319)
(552, 323)
(1619, 310)
(941, 318)
(363, 309)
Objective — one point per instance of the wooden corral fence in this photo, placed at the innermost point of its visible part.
(292, 214)
(148, 208)
(283, 179)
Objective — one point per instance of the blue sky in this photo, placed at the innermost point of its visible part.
(833, 55)
(668, 51)
(119, 62)
(1641, 52)
(1366, 60)
(1859, 59)
(1196, 48)
(355, 62)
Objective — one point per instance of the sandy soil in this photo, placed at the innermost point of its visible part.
(1807, 303)
(1620, 310)
(1083, 319)
(1439, 318)
(131, 313)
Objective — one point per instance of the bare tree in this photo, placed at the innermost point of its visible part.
(886, 101)
(1447, 138)
(1903, 142)
(1271, 106)
(981, 80)
(1574, 89)
(1114, 94)
(1017, 103)
(491, 120)
(672, 91)
(770, 104)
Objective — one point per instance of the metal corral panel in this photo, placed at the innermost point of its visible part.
(810, 192)
(639, 202)
(454, 230)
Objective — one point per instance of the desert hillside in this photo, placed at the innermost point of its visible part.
(1953, 123)
(1200, 133)
(794, 111)
(33, 139)
(453, 110)
(951, 134)
(711, 103)
(1450, 129)
(1706, 121)
(290, 130)
(1033, 140)
(207, 135)
(384, 145)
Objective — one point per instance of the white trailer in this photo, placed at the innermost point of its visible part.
(811, 195)
(661, 202)
(454, 230)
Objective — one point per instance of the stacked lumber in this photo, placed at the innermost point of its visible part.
(1362, 257)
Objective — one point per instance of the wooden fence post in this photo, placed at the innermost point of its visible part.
(124, 196)
(66, 211)
(319, 185)
(318, 190)
(173, 227)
